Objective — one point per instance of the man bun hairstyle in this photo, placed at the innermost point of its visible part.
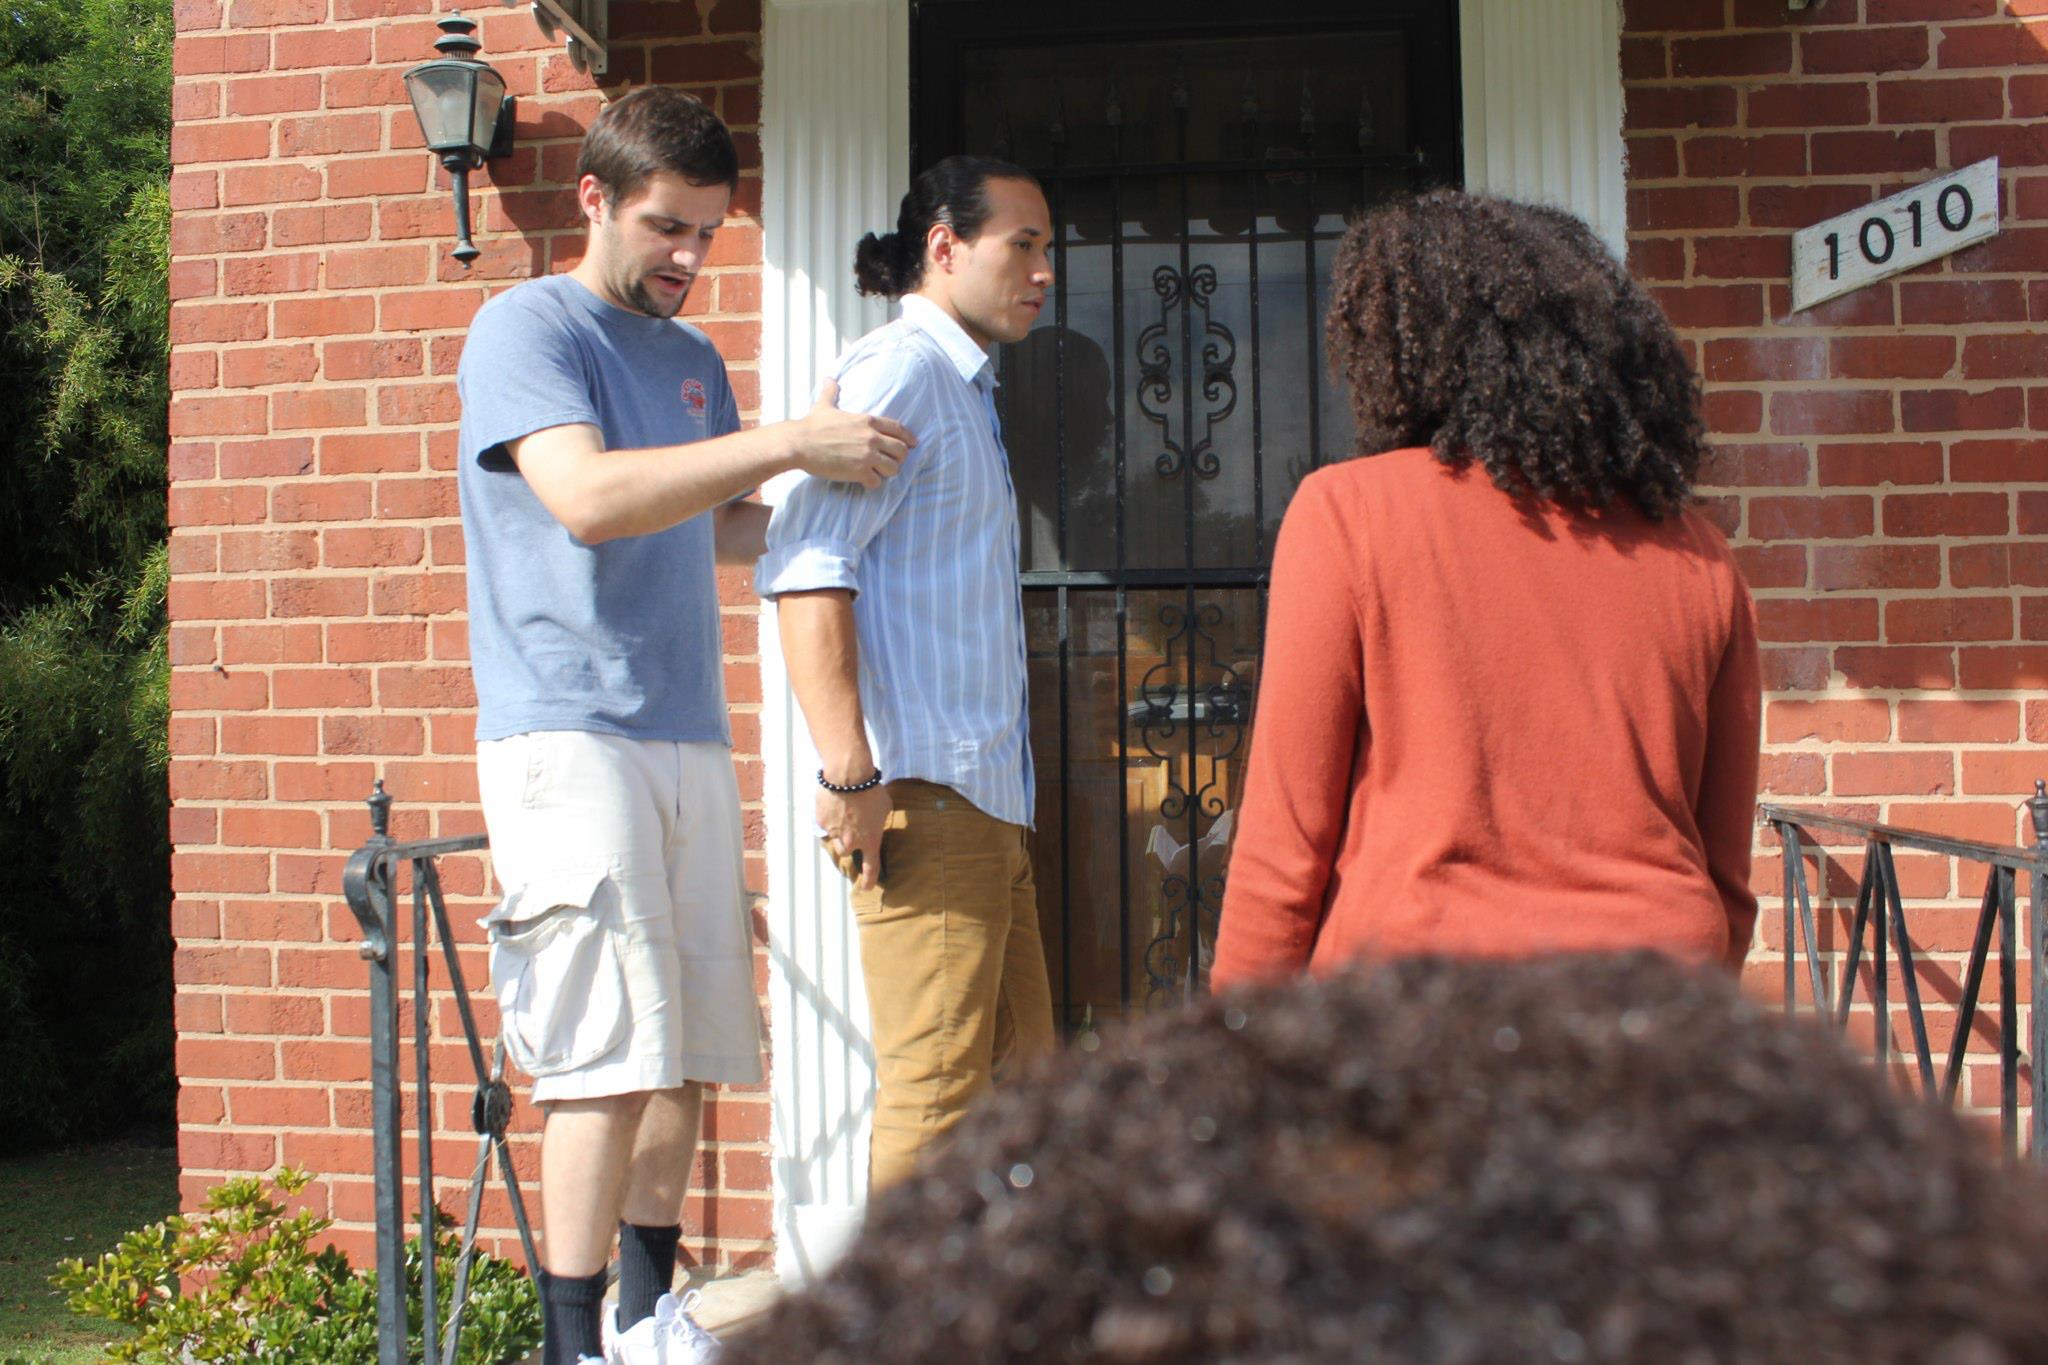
(652, 130)
(953, 192)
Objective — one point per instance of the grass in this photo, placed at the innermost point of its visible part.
(70, 1203)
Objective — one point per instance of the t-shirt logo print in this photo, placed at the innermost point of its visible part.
(694, 399)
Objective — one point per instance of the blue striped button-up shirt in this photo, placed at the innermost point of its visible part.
(932, 557)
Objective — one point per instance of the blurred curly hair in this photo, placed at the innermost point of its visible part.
(1505, 333)
(1584, 1159)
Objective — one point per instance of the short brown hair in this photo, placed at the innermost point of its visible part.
(656, 129)
(1604, 1160)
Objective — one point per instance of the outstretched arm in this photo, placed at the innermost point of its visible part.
(602, 495)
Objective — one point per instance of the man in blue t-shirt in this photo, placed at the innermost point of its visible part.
(603, 474)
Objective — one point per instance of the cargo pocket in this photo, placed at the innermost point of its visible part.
(555, 970)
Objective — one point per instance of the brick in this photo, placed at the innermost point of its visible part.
(367, 547)
(2005, 460)
(1688, 306)
(2007, 770)
(1946, 514)
(321, 781)
(292, 643)
(324, 317)
(1796, 206)
(1958, 301)
(1867, 464)
(272, 1106)
(324, 223)
(376, 267)
(369, 87)
(255, 95)
(1902, 152)
(353, 177)
(404, 405)
(202, 142)
(427, 310)
(1690, 206)
(1679, 106)
(1892, 774)
(400, 499)
(1958, 410)
(250, 367)
(1980, 45)
(272, 827)
(425, 689)
(1787, 722)
(1864, 567)
(376, 642)
(194, 370)
(1897, 667)
(1892, 357)
(372, 360)
(1992, 668)
(1944, 100)
(1830, 412)
(1958, 722)
(273, 273)
(193, 323)
(1787, 619)
(1732, 412)
(209, 1058)
(237, 416)
(324, 407)
(325, 47)
(1774, 155)
(268, 550)
(1742, 257)
(330, 134)
(1746, 54)
(1837, 52)
(1728, 465)
(345, 501)
(322, 596)
(2010, 356)
(203, 55)
(370, 453)
(319, 689)
(210, 234)
(279, 457)
(207, 780)
(1807, 104)
(1810, 518)
(2013, 564)
(381, 736)
(1928, 620)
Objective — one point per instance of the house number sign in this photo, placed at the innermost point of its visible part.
(1893, 235)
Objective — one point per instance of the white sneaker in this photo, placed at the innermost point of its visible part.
(670, 1337)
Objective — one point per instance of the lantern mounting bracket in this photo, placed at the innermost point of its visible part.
(583, 26)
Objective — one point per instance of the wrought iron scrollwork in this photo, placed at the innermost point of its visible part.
(1192, 290)
(1191, 705)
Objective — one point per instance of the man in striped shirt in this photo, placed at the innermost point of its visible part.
(902, 625)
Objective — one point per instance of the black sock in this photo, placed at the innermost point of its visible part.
(569, 1307)
(647, 1269)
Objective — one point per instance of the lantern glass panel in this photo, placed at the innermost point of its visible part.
(486, 103)
(443, 98)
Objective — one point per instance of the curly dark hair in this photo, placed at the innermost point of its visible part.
(1588, 1159)
(1506, 333)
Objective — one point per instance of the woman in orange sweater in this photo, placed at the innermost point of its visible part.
(1510, 699)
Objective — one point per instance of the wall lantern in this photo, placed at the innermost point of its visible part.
(464, 113)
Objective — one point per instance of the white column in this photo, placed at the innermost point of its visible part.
(1542, 91)
(835, 127)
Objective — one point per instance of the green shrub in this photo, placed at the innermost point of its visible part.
(245, 1279)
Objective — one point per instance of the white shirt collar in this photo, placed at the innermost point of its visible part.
(959, 347)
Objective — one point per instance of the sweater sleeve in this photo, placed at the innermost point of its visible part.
(1728, 777)
(1298, 787)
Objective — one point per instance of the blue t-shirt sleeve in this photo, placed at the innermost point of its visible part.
(521, 372)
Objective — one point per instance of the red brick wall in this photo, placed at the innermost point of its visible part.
(318, 636)
(1883, 458)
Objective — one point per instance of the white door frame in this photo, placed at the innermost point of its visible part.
(1542, 106)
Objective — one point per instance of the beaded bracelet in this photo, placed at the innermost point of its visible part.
(868, 785)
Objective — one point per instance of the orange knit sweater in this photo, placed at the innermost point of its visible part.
(1488, 725)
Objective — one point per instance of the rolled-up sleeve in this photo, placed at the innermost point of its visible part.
(820, 529)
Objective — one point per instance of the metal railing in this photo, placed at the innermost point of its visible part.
(370, 883)
(1881, 911)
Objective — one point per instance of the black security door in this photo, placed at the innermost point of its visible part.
(1200, 161)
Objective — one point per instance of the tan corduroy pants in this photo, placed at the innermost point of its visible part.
(955, 970)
